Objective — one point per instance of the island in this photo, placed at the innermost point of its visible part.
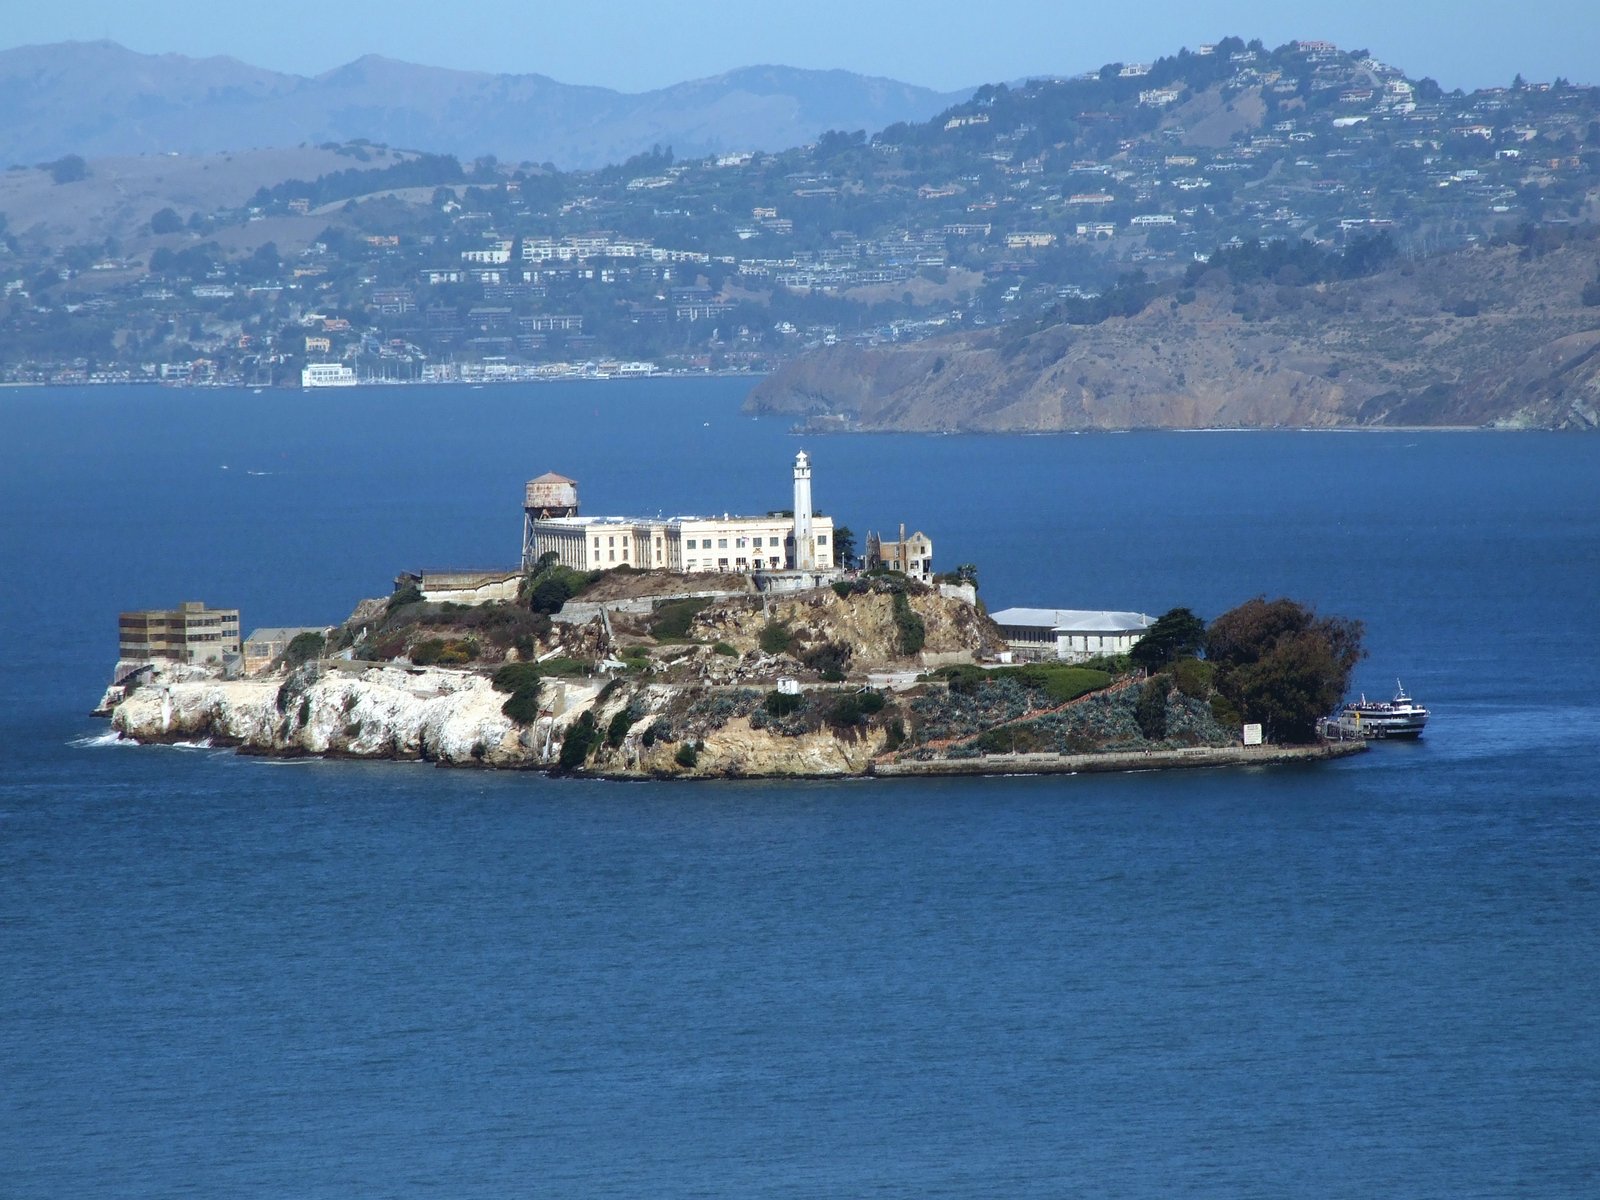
(728, 645)
(635, 676)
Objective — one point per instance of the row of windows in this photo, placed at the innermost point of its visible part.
(721, 564)
(740, 543)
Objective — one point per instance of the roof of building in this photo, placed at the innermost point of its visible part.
(725, 518)
(1072, 620)
(466, 572)
(889, 539)
(551, 477)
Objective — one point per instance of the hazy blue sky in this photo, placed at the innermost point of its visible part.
(635, 45)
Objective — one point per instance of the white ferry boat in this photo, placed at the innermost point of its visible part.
(314, 375)
(1401, 717)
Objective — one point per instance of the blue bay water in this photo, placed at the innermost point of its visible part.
(228, 976)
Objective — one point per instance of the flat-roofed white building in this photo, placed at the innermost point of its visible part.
(1069, 634)
(779, 541)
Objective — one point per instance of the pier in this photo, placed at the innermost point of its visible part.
(1129, 760)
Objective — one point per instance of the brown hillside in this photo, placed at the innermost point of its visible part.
(1488, 336)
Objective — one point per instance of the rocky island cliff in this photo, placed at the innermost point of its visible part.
(872, 674)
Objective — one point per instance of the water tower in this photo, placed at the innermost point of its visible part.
(550, 495)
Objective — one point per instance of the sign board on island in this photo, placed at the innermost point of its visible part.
(1252, 735)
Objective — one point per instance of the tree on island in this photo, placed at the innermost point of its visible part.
(1278, 663)
(844, 546)
(1176, 634)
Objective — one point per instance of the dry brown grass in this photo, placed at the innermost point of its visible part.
(120, 195)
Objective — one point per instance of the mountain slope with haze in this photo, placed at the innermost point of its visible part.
(99, 99)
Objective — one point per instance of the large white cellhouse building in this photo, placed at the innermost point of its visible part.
(798, 540)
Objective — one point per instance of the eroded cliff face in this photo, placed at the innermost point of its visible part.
(373, 712)
(690, 695)
(453, 717)
(865, 623)
(1479, 338)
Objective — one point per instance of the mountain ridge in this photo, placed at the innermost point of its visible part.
(148, 104)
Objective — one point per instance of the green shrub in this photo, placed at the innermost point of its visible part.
(410, 594)
(725, 649)
(842, 589)
(522, 706)
(781, 704)
(1111, 664)
(553, 585)
(302, 648)
(1063, 683)
(853, 708)
(912, 629)
(1193, 677)
(620, 724)
(829, 659)
(963, 678)
(894, 734)
(443, 652)
(657, 731)
(775, 637)
(672, 619)
(579, 742)
(1013, 739)
(687, 756)
(1151, 709)
(561, 665)
(1224, 713)
(515, 676)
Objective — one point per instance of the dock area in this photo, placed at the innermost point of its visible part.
(1132, 760)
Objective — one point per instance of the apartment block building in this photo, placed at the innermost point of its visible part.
(190, 633)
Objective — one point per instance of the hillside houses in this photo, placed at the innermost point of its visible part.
(992, 210)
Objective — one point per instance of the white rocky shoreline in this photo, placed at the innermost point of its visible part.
(451, 717)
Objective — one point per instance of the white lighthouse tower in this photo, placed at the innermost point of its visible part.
(805, 546)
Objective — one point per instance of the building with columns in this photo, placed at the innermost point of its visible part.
(796, 540)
